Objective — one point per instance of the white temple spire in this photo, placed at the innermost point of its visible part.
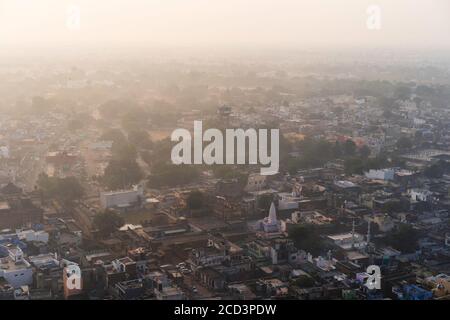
(272, 214)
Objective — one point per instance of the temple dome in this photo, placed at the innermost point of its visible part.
(271, 224)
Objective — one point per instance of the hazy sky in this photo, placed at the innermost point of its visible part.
(295, 23)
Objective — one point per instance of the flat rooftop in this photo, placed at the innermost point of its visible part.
(343, 236)
(6, 264)
(4, 205)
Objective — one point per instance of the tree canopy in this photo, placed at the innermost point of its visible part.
(307, 237)
(304, 281)
(123, 170)
(108, 221)
(121, 174)
(437, 169)
(140, 139)
(115, 135)
(167, 174)
(404, 143)
(404, 238)
(195, 200)
(65, 190)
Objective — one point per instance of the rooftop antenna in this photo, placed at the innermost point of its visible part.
(353, 233)
(369, 248)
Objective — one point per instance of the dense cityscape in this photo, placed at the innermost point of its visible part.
(93, 207)
(87, 180)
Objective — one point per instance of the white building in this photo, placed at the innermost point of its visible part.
(15, 269)
(289, 201)
(121, 199)
(270, 224)
(348, 240)
(101, 145)
(4, 152)
(384, 222)
(382, 174)
(419, 122)
(31, 235)
(420, 195)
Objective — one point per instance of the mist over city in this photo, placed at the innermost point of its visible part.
(225, 151)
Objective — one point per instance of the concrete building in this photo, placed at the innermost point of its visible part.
(132, 289)
(384, 222)
(72, 282)
(420, 195)
(170, 293)
(31, 235)
(121, 199)
(17, 212)
(14, 268)
(348, 240)
(382, 174)
(288, 201)
(440, 284)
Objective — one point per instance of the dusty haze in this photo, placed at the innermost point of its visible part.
(295, 23)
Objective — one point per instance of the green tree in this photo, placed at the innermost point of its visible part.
(354, 166)
(437, 170)
(364, 152)
(396, 205)
(349, 148)
(264, 201)
(404, 238)
(146, 156)
(404, 143)
(306, 237)
(70, 189)
(304, 281)
(195, 200)
(161, 151)
(123, 151)
(168, 174)
(229, 172)
(65, 190)
(121, 174)
(115, 135)
(402, 92)
(134, 118)
(313, 153)
(107, 222)
(46, 185)
(140, 139)
(122, 170)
